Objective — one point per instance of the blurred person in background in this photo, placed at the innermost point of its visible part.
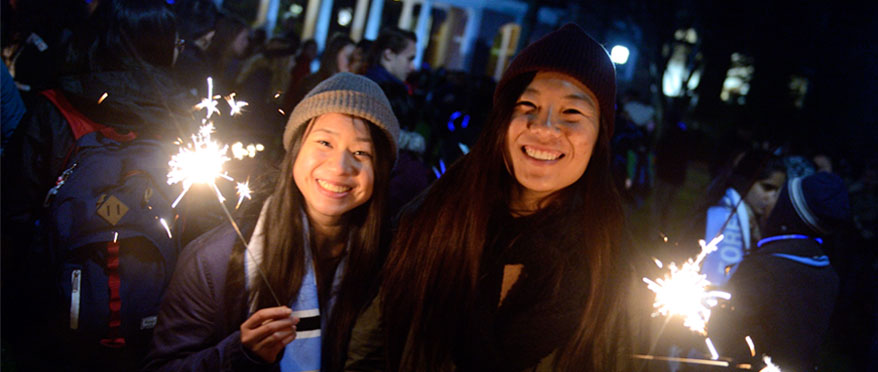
(196, 21)
(336, 58)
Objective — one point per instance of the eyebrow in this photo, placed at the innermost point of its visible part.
(574, 96)
(359, 139)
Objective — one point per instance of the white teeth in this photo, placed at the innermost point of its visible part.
(542, 155)
(332, 187)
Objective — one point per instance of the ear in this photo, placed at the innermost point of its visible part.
(387, 55)
(204, 41)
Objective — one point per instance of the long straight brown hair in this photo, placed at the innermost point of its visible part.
(284, 255)
(432, 270)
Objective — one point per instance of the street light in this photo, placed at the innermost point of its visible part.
(619, 54)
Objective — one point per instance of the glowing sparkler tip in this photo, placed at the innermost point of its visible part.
(103, 97)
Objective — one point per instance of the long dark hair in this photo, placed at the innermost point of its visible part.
(125, 35)
(433, 268)
(284, 255)
(329, 59)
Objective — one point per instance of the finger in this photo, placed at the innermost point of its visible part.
(273, 340)
(266, 330)
(260, 317)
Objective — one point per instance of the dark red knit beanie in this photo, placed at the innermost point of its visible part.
(569, 50)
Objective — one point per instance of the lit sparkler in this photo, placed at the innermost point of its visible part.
(684, 291)
(200, 161)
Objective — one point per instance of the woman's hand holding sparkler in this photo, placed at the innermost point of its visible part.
(268, 331)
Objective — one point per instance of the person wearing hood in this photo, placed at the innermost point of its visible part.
(121, 81)
(785, 289)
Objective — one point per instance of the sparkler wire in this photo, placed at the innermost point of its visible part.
(247, 249)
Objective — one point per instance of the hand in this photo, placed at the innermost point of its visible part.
(268, 330)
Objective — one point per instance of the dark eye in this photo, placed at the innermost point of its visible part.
(362, 154)
(572, 112)
(324, 143)
(525, 105)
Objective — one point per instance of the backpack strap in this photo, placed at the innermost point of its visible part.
(114, 338)
(79, 123)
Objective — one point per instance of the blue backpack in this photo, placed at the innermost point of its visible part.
(109, 226)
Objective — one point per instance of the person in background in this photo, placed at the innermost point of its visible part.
(289, 302)
(302, 67)
(785, 289)
(227, 51)
(758, 176)
(196, 22)
(358, 57)
(511, 260)
(125, 52)
(391, 60)
(336, 58)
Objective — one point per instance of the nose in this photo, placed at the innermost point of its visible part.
(545, 123)
(342, 163)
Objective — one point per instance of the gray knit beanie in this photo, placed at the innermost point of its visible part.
(350, 94)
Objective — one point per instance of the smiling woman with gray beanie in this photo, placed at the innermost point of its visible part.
(288, 303)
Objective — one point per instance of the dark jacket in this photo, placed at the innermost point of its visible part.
(783, 305)
(199, 323)
(397, 93)
(521, 333)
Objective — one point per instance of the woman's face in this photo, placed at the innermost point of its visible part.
(343, 58)
(763, 194)
(551, 135)
(334, 168)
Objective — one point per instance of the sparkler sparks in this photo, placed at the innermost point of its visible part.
(750, 345)
(713, 354)
(165, 225)
(236, 106)
(103, 97)
(769, 366)
(200, 161)
(209, 103)
(243, 190)
(684, 291)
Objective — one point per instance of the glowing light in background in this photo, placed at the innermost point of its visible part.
(619, 54)
(345, 15)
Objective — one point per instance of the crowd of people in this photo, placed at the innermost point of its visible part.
(402, 219)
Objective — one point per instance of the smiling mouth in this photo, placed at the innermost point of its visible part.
(541, 154)
(333, 187)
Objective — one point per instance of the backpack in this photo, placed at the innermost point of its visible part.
(109, 227)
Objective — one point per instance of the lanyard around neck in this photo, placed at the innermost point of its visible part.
(785, 237)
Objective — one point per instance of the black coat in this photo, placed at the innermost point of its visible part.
(783, 305)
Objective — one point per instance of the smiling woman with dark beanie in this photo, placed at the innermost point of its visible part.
(510, 260)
